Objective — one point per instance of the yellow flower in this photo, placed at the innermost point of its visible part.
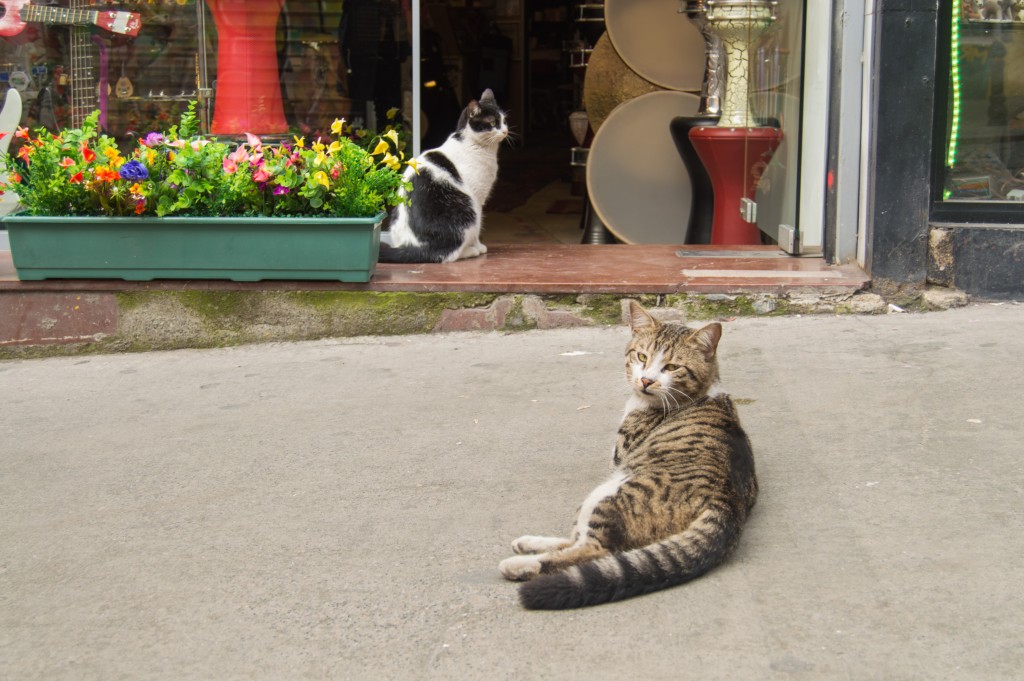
(392, 112)
(112, 155)
(334, 148)
(321, 159)
(391, 162)
(414, 164)
(382, 147)
(338, 125)
(150, 156)
(322, 178)
(392, 135)
(318, 146)
(300, 142)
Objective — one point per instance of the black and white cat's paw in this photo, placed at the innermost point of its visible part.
(520, 568)
(473, 251)
(530, 544)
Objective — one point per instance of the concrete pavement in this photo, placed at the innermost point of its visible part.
(337, 509)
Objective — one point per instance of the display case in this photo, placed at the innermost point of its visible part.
(135, 62)
(267, 67)
(983, 150)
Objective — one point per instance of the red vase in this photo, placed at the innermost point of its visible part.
(248, 94)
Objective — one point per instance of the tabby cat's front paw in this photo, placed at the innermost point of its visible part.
(520, 568)
(532, 544)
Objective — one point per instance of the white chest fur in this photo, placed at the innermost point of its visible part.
(477, 166)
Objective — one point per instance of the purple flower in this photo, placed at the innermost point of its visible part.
(153, 139)
(133, 171)
(280, 189)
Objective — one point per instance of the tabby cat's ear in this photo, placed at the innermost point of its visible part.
(708, 337)
(639, 318)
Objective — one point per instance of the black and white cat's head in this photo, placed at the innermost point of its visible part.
(483, 121)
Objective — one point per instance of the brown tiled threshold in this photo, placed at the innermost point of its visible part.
(545, 268)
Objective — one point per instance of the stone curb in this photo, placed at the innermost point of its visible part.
(48, 324)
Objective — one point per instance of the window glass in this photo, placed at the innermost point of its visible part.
(984, 154)
(268, 67)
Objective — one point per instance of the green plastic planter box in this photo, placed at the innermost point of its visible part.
(239, 249)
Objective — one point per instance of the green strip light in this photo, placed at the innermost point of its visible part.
(954, 130)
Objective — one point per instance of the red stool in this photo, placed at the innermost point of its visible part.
(735, 158)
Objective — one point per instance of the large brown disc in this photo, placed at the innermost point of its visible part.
(609, 82)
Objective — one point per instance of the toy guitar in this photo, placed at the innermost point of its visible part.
(19, 12)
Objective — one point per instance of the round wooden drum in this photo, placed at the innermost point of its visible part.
(636, 179)
(655, 40)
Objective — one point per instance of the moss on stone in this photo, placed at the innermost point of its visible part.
(349, 313)
(602, 309)
(517, 319)
(711, 306)
(218, 305)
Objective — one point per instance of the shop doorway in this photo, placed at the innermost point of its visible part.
(617, 73)
(517, 49)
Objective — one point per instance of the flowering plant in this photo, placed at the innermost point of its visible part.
(83, 172)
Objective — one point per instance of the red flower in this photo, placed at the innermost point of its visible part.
(76, 178)
(66, 162)
(24, 153)
(140, 207)
(22, 133)
(88, 154)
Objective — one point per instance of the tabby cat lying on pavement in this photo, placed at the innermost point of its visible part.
(681, 491)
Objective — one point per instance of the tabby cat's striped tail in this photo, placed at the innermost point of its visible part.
(670, 562)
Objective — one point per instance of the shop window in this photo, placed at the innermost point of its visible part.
(984, 150)
(269, 67)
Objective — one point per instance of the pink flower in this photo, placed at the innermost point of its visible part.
(239, 155)
(261, 175)
(281, 189)
(230, 167)
(254, 142)
(66, 162)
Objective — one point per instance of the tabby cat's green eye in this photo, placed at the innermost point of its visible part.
(642, 357)
(670, 367)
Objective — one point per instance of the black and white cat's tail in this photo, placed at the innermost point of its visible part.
(673, 561)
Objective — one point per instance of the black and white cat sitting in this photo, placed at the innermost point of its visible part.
(444, 215)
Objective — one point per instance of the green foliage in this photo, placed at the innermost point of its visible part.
(82, 172)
